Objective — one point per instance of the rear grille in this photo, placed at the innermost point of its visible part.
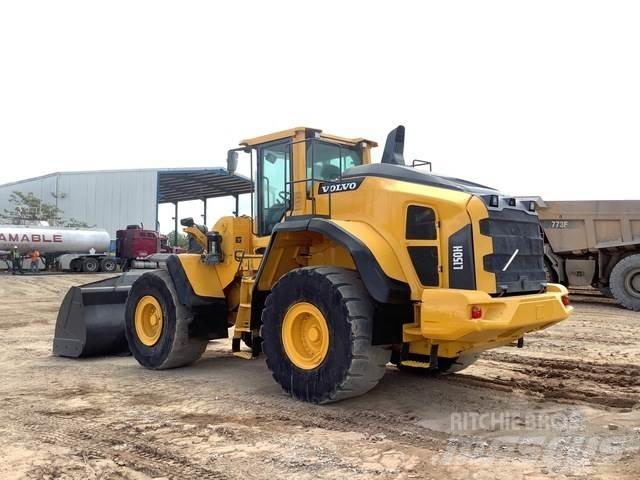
(514, 230)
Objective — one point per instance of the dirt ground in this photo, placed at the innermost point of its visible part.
(565, 406)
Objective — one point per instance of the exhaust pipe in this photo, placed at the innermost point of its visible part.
(91, 318)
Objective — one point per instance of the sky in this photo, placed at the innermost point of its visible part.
(532, 98)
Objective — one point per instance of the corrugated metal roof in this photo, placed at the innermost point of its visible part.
(179, 185)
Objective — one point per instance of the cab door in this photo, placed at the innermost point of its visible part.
(274, 194)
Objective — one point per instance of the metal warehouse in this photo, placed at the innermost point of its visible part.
(112, 199)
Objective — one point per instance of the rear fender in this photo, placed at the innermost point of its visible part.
(349, 244)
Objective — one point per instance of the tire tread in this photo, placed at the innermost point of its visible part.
(617, 280)
(368, 362)
(184, 349)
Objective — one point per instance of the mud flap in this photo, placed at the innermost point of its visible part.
(91, 318)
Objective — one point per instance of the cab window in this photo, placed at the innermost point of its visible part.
(328, 161)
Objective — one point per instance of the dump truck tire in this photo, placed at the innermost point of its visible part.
(330, 299)
(152, 301)
(446, 366)
(624, 282)
(90, 265)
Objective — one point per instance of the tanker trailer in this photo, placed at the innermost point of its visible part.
(68, 248)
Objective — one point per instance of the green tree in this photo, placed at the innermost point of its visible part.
(29, 208)
(182, 242)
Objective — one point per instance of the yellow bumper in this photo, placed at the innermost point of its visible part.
(445, 314)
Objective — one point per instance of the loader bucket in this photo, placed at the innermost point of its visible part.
(91, 318)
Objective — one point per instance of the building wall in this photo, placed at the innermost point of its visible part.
(109, 200)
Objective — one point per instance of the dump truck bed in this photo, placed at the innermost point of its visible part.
(579, 226)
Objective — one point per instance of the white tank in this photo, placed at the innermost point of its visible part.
(55, 240)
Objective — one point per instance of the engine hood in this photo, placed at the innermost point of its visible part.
(408, 174)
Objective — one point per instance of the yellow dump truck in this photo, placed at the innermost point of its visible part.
(344, 266)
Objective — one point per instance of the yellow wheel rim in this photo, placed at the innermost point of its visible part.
(148, 320)
(305, 335)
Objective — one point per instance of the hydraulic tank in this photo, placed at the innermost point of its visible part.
(53, 240)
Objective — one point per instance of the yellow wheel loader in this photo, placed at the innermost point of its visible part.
(343, 267)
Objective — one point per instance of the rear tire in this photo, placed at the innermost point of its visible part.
(90, 265)
(108, 265)
(174, 347)
(624, 282)
(350, 365)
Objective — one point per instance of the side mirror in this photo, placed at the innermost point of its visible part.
(232, 162)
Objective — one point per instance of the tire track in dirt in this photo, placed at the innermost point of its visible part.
(609, 385)
(123, 447)
(275, 412)
(274, 416)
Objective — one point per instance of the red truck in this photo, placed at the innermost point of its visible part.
(134, 244)
(85, 250)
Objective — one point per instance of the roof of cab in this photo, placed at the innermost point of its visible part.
(293, 131)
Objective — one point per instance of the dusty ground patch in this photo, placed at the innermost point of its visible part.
(565, 406)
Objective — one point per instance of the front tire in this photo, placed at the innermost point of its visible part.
(624, 282)
(317, 328)
(157, 324)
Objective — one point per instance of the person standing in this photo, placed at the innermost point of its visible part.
(35, 261)
(16, 260)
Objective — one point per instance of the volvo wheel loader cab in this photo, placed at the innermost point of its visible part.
(346, 265)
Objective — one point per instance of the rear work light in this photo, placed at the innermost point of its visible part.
(476, 312)
(565, 300)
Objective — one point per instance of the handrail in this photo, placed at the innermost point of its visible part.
(421, 163)
(313, 197)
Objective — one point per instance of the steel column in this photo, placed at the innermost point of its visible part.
(175, 230)
(204, 215)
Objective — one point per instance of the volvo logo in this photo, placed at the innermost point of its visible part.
(344, 186)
